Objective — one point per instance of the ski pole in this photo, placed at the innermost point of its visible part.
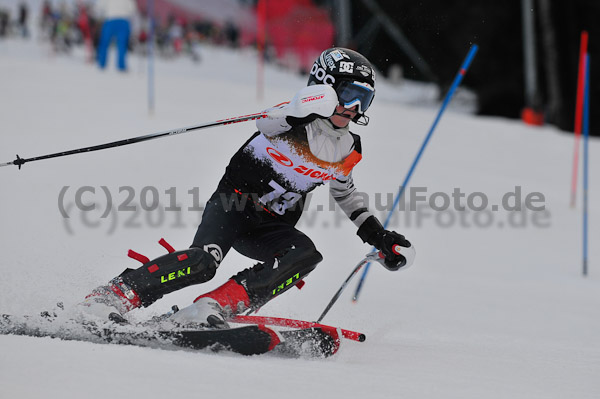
(20, 161)
(360, 264)
(459, 77)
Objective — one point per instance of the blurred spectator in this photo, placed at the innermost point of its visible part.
(175, 34)
(61, 34)
(232, 34)
(85, 28)
(4, 19)
(191, 38)
(143, 32)
(46, 16)
(23, 19)
(117, 16)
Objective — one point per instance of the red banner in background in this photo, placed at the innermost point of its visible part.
(299, 31)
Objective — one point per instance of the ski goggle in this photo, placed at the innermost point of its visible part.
(351, 93)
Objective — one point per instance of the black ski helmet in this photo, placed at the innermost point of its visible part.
(337, 67)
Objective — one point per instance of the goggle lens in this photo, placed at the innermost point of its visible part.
(351, 93)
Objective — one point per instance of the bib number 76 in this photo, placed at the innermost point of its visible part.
(279, 200)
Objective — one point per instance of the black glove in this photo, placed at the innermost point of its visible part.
(388, 242)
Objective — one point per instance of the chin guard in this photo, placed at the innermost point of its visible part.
(361, 119)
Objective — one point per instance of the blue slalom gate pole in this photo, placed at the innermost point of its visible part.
(586, 136)
(457, 80)
(150, 12)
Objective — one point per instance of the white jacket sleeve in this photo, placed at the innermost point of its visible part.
(352, 202)
(309, 103)
(275, 122)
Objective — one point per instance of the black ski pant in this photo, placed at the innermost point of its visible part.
(234, 220)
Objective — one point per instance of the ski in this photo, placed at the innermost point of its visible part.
(253, 339)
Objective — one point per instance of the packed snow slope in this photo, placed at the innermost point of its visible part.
(494, 307)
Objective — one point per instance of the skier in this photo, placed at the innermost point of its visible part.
(299, 146)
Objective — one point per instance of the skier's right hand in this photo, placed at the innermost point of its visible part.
(310, 103)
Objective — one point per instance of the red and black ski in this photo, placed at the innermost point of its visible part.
(299, 339)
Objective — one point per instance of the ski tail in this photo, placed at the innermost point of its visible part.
(301, 324)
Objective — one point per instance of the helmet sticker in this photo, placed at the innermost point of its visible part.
(336, 55)
(330, 62)
(321, 75)
(332, 58)
(347, 67)
(364, 70)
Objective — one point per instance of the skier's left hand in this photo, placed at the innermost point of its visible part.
(395, 251)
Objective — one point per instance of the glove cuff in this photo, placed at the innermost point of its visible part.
(370, 231)
(295, 121)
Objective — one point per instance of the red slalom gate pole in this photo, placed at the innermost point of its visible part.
(579, 114)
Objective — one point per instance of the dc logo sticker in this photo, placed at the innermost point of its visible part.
(215, 251)
(347, 67)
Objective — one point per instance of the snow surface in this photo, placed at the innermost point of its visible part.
(494, 312)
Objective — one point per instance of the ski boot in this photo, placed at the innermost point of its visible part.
(214, 308)
(250, 289)
(115, 297)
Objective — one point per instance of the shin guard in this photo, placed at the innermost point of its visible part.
(169, 273)
(265, 281)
